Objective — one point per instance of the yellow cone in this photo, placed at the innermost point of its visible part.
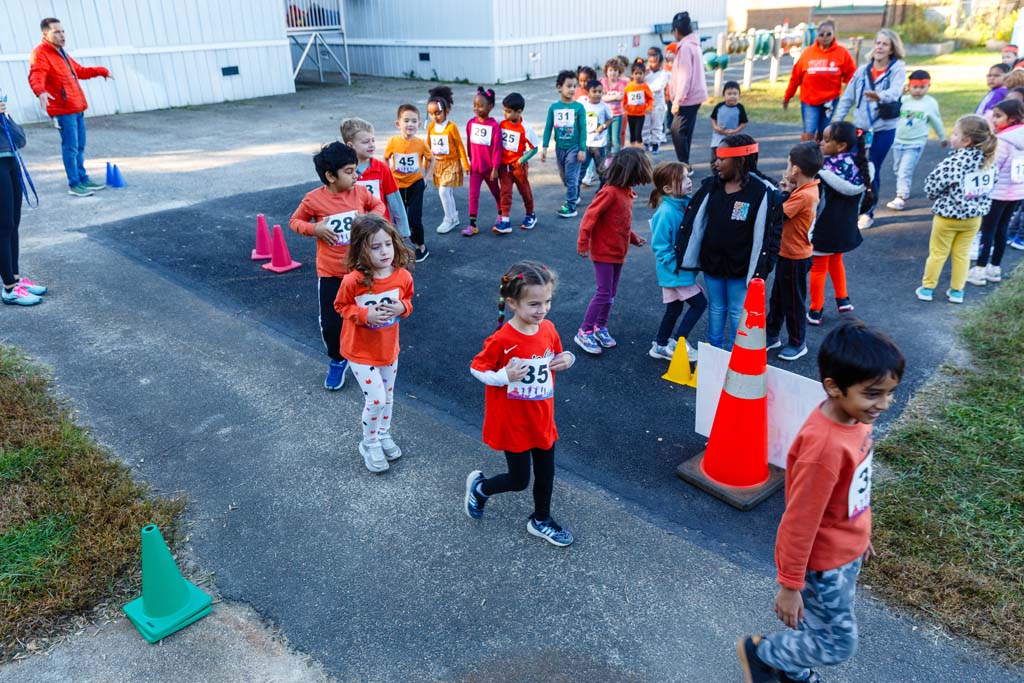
(679, 368)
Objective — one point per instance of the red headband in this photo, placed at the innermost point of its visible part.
(920, 81)
(727, 152)
(1010, 48)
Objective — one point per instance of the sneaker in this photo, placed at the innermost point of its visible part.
(976, 276)
(587, 181)
(865, 221)
(793, 352)
(975, 247)
(470, 230)
(335, 375)
(475, 501)
(391, 450)
(530, 222)
(33, 288)
(603, 338)
(95, 187)
(422, 254)
(992, 274)
(955, 296)
(691, 351)
(373, 457)
(655, 149)
(754, 670)
(502, 228)
(447, 225)
(814, 317)
(813, 677)
(844, 305)
(897, 204)
(772, 343)
(647, 148)
(1017, 243)
(80, 191)
(925, 293)
(549, 531)
(588, 342)
(659, 351)
(19, 296)
(567, 211)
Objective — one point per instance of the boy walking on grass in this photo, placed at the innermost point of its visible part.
(825, 532)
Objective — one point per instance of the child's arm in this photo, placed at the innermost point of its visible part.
(935, 121)
(581, 132)
(456, 139)
(301, 222)
(648, 98)
(590, 218)
(662, 243)
(403, 307)
(485, 365)
(549, 124)
(809, 488)
(399, 217)
(495, 148)
(372, 204)
(743, 121)
(346, 306)
(934, 185)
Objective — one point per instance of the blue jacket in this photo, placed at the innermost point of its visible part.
(664, 225)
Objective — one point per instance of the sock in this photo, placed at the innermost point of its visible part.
(503, 219)
(472, 221)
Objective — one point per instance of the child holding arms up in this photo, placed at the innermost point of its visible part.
(450, 160)
(919, 112)
(788, 300)
(961, 189)
(518, 365)
(605, 235)
(409, 157)
(372, 174)
(614, 93)
(825, 532)
(518, 145)
(484, 150)
(566, 119)
(377, 292)
(727, 118)
(327, 213)
(639, 102)
(670, 196)
(656, 79)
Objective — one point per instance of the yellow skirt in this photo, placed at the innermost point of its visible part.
(448, 173)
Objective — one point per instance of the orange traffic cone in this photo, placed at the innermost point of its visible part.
(262, 251)
(281, 260)
(734, 466)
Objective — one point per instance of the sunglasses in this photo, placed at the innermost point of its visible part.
(825, 34)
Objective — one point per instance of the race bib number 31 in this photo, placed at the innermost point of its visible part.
(859, 498)
(538, 383)
(980, 183)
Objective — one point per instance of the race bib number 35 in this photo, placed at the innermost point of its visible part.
(538, 383)
(859, 498)
(980, 183)
(341, 225)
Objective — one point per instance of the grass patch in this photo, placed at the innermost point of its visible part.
(949, 507)
(69, 515)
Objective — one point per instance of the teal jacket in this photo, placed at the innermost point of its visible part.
(664, 225)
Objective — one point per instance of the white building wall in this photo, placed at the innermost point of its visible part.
(161, 53)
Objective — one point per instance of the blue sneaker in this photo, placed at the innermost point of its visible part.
(1017, 243)
(603, 338)
(502, 228)
(925, 293)
(955, 296)
(793, 352)
(549, 531)
(773, 343)
(588, 342)
(19, 296)
(336, 375)
(475, 500)
(32, 287)
(530, 222)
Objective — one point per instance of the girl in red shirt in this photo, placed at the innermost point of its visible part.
(376, 292)
(518, 364)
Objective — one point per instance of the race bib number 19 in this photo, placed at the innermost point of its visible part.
(1017, 169)
(859, 498)
(979, 184)
(538, 383)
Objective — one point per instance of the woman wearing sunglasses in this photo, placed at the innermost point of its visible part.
(820, 73)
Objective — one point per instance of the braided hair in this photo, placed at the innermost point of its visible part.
(519, 276)
(845, 133)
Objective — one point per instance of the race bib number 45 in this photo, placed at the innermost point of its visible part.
(407, 163)
(341, 225)
(859, 498)
(980, 183)
(538, 383)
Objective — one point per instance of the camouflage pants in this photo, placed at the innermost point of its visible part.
(828, 633)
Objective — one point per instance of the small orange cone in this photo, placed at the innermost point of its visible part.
(679, 367)
(262, 251)
(281, 261)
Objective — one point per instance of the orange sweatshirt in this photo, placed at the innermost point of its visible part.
(800, 210)
(638, 99)
(827, 522)
(341, 207)
(361, 342)
(408, 158)
(820, 74)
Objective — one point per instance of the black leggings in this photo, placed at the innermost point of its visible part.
(636, 128)
(673, 310)
(412, 197)
(518, 478)
(993, 231)
(10, 218)
(330, 319)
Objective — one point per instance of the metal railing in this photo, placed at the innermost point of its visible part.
(311, 19)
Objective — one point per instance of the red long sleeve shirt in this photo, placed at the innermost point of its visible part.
(606, 229)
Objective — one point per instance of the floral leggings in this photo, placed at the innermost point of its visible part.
(378, 385)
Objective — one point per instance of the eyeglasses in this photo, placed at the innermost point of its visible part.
(825, 34)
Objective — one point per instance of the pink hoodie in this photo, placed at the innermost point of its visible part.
(687, 85)
(1010, 153)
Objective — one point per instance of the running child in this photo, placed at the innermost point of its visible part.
(919, 112)
(450, 160)
(484, 151)
(614, 94)
(670, 196)
(605, 235)
(518, 365)
(409, 157)
(788, 301)
(518, 146)
(566, 119)
(375, 294)
(327, 213)
(727, 118)
(657, 80)
(825, 533)
(372, 174)
(997, 91)
(599, 118)
(846, 188)
(639, 103)
(961, 189)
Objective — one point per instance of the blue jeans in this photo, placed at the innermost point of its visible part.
(881, 142)
(725, 296)
(904, 161)
(569, 170)
(72, 147)
(816, 117)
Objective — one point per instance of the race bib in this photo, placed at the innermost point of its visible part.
(373, 300)
(1017, 169)
(341, 225)
(980, 183)
(510, 140)
(479, 134)
(592, 123)
(538, 383)
(372, 186)
(439, 145)
(565, 118)
(407, 163)
(859, 498)
(635, 98)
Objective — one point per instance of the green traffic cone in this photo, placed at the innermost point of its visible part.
(169, 602)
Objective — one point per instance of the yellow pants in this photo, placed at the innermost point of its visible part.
(950, 237)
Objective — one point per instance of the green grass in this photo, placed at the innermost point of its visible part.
(69, 515)
(949, 505)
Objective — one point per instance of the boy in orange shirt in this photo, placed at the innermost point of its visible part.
(518, 146)
(409, 158)
(639, 101)
(825, 532)
(788, 300)
(327, 214)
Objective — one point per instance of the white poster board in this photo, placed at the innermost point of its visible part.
(791, 398)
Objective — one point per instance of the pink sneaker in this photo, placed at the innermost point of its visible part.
(19, 296)
(32, 287)
(470, 230)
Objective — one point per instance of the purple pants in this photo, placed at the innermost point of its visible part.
(607, 278)
(474, 190)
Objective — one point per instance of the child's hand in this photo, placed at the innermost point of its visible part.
(944, 143)
(580, 156)
(544, 155)
(562, 361)
(494, 173)
(789, 607)
(394, 309)
(583, 252)
(378, 315)
(869, 553)
(325, 234)
(516, 369)
(640, 241)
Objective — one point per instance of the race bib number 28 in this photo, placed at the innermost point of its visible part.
(341, 225)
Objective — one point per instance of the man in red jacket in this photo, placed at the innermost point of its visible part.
(819, 73)
(53, 77)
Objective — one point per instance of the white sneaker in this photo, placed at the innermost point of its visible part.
(975, 247)
(897, 204)
(659, 351)
(448, 224)
(976, 276)
(373, 457)
(865, 221)
(691, 352)
(391, 450)
(993, 273)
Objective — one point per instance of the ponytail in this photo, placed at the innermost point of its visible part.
(976, 130)
(487, 94)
